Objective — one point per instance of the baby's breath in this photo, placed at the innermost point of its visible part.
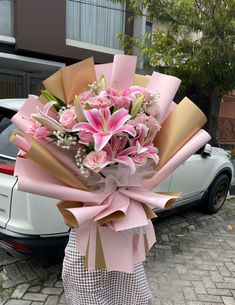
(64, 139)
(79, 158)
(94, 87)
(63, 108)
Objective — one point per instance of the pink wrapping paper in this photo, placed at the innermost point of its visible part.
(106, 70)
(166, 86)
(20, 118)
(197, 141)
(123, 71)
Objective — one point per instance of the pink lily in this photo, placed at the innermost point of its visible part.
(147, 120)
(144, 144)
(37, 130)
(117, 154)
(119, 99)
(47, 108)
(47, 119)
(103, 125)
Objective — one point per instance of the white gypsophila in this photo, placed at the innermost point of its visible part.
(94, 87)
(79, 158)
(63, 108)
(65, 140)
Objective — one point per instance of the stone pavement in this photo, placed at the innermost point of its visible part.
(193, 263)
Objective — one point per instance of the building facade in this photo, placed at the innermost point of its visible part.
(39, 37)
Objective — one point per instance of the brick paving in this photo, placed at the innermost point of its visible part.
(193, 263)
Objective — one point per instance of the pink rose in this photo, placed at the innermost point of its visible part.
(141, 118)
(153, 109)
(140, 159)
(99, 102)
(96, 160)
(67, 118)
(85, 137)
(149, 121)
(38, 131)
(85, 96)
(153, 124)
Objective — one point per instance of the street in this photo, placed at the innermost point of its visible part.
(192, 263)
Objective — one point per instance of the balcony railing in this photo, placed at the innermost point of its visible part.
(94, 24)
(6, 18)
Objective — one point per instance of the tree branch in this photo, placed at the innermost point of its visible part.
(217, 27)
(200, 9)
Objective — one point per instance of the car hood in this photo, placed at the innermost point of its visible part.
(220, 152)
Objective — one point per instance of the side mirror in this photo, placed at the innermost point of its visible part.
(207, 150)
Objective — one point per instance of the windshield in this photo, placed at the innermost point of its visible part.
(6, 128)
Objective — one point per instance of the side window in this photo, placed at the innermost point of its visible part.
(6, 128)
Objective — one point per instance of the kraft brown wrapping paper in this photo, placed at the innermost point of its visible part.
(54, 84)
(75, 78)
(184, 122)
(45, 159)
(99, 258)
(42, 157)
(99, 254)
(140, 80)
(72, 80)
(69, 218)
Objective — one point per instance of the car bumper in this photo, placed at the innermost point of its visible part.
(32, 244)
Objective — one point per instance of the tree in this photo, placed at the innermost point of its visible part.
(197, 45)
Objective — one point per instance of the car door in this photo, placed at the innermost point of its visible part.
(163, 186)
(191, 177)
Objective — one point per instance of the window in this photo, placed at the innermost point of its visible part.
(94, 24)
(7, 149)
(6, 18)
(148, 30)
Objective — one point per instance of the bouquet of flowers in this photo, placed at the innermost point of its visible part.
(99, 138)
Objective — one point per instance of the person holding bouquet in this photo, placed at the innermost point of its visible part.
(99, 140)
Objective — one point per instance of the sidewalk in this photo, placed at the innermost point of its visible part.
(194, 260)
(193, 263)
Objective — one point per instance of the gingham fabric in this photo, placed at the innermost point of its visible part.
(100, 287)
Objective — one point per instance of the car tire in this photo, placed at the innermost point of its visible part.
(217, 193)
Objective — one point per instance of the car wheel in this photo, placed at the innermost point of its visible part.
(216, 195)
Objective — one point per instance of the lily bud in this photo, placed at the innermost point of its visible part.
(136, 105)
(102, 83)
(78, 109)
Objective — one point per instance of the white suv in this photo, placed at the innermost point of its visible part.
(26, 226)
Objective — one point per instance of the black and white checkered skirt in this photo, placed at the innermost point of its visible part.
(100, 287)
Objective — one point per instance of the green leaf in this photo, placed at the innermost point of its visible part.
(87, 107)
(50, 97)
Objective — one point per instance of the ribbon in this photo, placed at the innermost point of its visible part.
(121, 221)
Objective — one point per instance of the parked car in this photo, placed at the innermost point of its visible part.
(26, 227)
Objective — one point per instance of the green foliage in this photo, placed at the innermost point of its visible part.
(197, 42)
